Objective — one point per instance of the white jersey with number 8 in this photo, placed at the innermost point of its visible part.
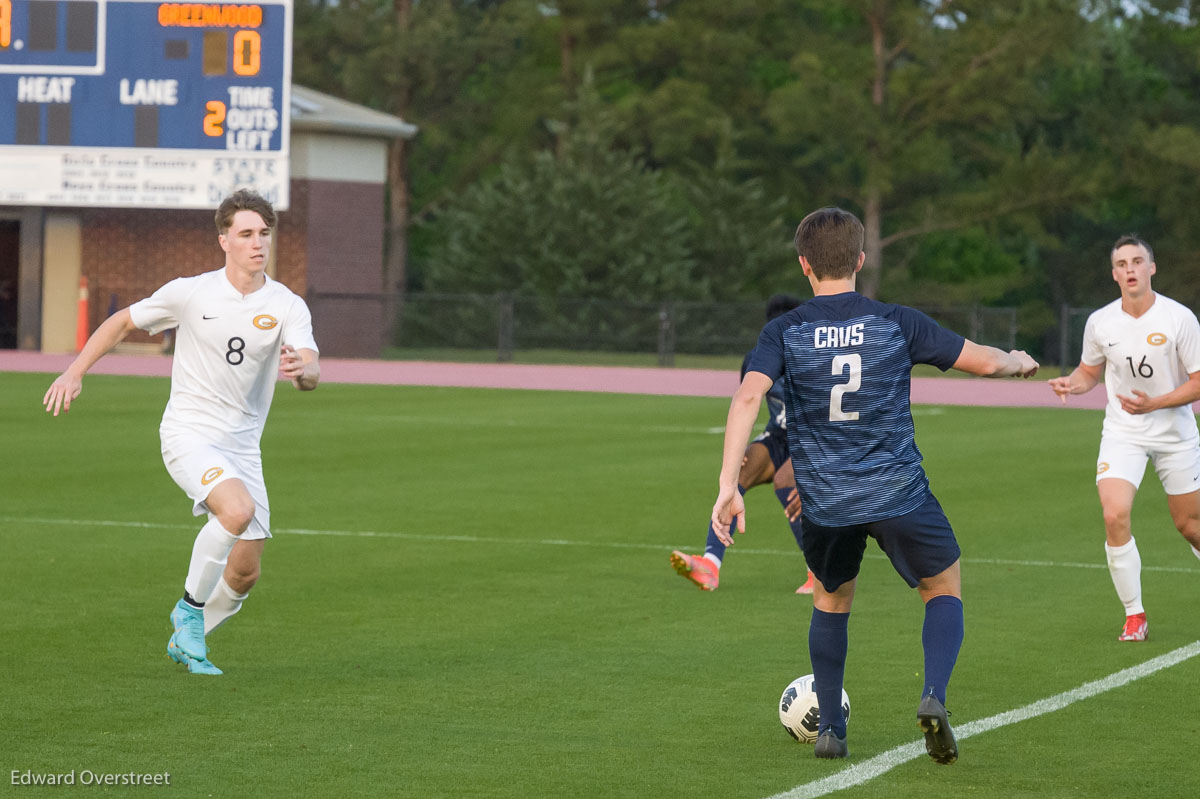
(227, 351)
(1153, 353)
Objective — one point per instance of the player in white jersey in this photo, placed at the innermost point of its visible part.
(1147, 347)
(237, 330)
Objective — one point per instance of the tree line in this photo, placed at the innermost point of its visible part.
(647, 150)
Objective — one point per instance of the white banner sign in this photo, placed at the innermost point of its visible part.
(123, 177)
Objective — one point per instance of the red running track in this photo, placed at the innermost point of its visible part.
(613, 379)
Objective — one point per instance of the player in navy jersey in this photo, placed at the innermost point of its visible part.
(846, 362)
(766, 461)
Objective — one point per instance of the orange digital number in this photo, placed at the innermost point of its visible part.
(214, 118)
(247, 48)
(5, 23)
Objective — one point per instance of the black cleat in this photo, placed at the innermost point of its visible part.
(830, 746)
(933, 720)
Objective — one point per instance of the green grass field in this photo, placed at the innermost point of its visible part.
(468, 595)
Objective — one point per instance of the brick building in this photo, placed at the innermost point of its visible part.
(330, 240)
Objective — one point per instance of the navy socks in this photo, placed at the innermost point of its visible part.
(827, 643)
(712, 544)
(941, 637)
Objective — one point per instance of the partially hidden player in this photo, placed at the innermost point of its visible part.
(1147, 347)
(766, 461)
(237, 331)
(846, 363)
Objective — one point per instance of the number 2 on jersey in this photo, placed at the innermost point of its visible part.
(840, 362)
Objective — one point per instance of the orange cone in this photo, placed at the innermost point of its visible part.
(81, 319)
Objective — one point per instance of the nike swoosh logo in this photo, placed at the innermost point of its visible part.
(1113, 343)
(208, 317)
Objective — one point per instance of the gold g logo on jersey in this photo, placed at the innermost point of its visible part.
(266, 322)
(211, 474)
(1157, 339)
(1101, 467)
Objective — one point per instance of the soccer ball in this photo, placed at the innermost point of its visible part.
(798, 711)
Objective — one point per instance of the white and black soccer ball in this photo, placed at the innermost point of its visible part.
(798, 712)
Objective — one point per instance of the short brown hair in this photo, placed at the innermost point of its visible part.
(243, 200)
(831, 240)
(1135, 240)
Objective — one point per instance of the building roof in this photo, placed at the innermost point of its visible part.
(314, 111)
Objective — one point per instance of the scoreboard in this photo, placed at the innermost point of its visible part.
(143, 104)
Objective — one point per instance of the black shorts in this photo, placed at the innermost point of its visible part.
(919, 544)
(774, 438)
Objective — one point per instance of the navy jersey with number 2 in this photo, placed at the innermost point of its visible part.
(846, 362)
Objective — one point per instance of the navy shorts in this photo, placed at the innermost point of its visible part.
(774, 438)
(919, 544)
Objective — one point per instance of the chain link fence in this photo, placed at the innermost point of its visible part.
(505, 324)
(1071, 322)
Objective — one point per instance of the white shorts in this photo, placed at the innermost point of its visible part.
(1178, 468)
(197, 466)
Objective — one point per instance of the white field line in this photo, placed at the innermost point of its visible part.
(886, 761)
(555, 542)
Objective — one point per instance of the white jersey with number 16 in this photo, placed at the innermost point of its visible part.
(1153, 353)
(226, 353)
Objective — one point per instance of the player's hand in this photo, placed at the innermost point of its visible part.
(291, 365)
(1029, 366)
(65, 388)
(1139, 403)
(793, 507)
(728, 505)
(1062, 387)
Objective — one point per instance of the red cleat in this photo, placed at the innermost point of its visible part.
(1136, 628)
(697, 568)
(807, 588)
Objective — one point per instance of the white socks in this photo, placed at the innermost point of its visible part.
(222, 604)
(209, 554)
(1125, 566)
(714, 560)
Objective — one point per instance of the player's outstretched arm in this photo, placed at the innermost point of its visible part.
(1080, 381)
(743, 410)
(985, 361)
(301, 366)
(67, 386)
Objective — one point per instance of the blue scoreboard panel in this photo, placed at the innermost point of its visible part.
(143, 104)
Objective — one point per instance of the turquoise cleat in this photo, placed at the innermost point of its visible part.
(189, 631)
(202, 667)
(176, 653)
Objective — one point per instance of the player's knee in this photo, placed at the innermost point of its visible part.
(756, 466)
(1189, 528)
(1116, 518)
(236, 517)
